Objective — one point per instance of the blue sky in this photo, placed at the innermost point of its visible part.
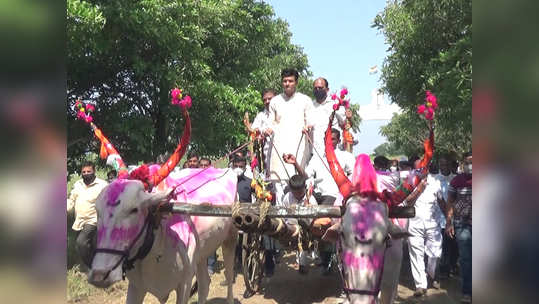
(341, 46)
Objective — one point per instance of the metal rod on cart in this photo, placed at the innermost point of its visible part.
(207, 209)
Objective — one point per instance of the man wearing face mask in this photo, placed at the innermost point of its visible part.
(459, 223)
(318, 116)
(82, 199)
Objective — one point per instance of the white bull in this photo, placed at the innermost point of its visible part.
(369, 267)
(181, 243)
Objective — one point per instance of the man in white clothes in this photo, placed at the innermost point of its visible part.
(325, 190)
(298, 196)
(426, 235)
(288, 112)
(318, 117)
(318, 174)
(263, 124)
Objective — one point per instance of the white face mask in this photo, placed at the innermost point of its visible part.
(239, 171)
(404, 174)
(393, 169)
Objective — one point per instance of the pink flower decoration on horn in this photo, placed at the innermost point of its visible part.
(341, 101)
(83, 111)
(344, 92)
(176, 93)
(428, 109)
(183, 103)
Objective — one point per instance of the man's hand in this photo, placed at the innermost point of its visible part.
(422, 185)
(289, 158)
(268, 132)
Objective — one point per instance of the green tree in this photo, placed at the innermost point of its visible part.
(387, 149)
(125, 56)
(430, 48)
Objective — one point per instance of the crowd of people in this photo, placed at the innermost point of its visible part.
(292, 128)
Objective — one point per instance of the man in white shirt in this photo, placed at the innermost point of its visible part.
(449, 245)
(288, 112)
(297, 196)
(82, 199)
(325, 191)
(263, 124)
(318, 117)
(426, 235)
(318, 174)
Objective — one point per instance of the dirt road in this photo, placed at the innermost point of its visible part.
(288, 286)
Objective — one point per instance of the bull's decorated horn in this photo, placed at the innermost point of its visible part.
(344, 184)
(173, 160)
(151, 180)
(107, 149)
(406, 187)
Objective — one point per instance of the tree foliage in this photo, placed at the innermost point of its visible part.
(125, 56)
(430, 48)
(387, 149)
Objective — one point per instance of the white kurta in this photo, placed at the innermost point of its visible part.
(289, 117)
(318, 118)
(426, 236)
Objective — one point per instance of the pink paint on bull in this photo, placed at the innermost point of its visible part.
(114, 190)
(364, 217)
(223, 186)
(101, 233)
(179, 230)
(124, 233)
(365, 263)
(193, 186)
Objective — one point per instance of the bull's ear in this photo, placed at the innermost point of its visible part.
(153, 199)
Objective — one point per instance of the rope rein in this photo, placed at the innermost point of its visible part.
(318, 154)
(279, 157)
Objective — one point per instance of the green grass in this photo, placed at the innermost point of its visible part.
(77, 285)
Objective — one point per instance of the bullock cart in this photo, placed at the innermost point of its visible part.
(260, 218)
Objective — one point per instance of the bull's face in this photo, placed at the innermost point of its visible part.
(363, 242)
(122, 210)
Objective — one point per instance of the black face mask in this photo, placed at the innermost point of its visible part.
(88, 178)
(319, 94)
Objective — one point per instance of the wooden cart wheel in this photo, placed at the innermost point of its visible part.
(252, 256)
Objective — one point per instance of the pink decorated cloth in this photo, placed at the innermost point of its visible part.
(195, 186)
